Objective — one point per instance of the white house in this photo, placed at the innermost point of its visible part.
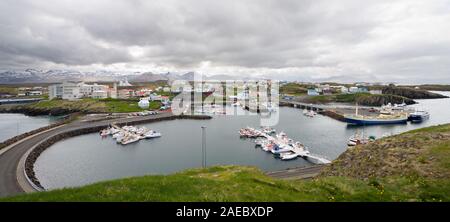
(313, 92)
(353, 89)
(76, 90)
(376, 92)
(71, 90)
(88, 90)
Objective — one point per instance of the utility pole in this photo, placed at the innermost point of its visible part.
(203, 146)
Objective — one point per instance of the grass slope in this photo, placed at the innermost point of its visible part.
(88, 105)
(413, 166)
(366, 99)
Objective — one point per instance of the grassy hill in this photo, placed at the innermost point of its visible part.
(414, 166)
(86, 105)
(365, 99)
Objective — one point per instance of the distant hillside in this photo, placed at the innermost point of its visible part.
(434, 87)
(423, 153)
(411, 93)
(364, 99)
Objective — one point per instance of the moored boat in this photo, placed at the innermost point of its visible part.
(418, 116)
(288, 156)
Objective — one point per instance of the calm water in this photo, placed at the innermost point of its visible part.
(86, 159)
(12, 124)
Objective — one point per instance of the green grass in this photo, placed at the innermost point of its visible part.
(125, 106)
(12, 90)
(88, 105)
(413, 166)
(294, 89)
(234, 183)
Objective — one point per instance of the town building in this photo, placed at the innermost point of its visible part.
(376, 92)
(313, 92)
(76, 90)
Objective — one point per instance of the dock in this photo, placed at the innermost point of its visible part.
(298, 173)
(313, 158)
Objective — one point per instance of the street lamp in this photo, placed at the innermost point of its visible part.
(203, 146)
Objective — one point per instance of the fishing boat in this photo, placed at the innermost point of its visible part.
(278, 149)
(268, 130)
(310, 113)
(383, 118)
(151, 134)
(105, 132)
(260, 142)
(129, 139)
(288, 156)
(418, 116)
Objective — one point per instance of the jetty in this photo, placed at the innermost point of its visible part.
(283, 146)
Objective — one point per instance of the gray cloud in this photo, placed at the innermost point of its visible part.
(404, 40)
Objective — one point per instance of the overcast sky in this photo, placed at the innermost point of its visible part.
(402, 41)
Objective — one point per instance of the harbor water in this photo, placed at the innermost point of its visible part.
(89, 158)
(13, 124)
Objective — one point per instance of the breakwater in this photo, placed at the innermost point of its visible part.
(43, 145)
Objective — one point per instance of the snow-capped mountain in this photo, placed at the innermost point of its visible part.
(51, 76)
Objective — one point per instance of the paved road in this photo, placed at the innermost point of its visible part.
(10, 159)
(297, 173)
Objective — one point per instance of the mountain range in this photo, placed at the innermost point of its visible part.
(53, 76)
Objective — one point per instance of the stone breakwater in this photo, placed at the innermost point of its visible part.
(41, 147)
(17, 138)
(29, 111)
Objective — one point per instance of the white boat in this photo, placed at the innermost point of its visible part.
(268, 130)
(310, 113)
(151, 134)
(418, 116)
(119, 134)
(281, 150)
(130, 139)
(105, 132)
(288, 156)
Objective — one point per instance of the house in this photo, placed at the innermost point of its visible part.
(362, 89)
(376, 92)
(125, 93)
(165, 100)
(55, 91)
(155, 97)
(313, 92)
(358, 89)
(71, 91)
(75, 90)
(327, 91)
(344, 89)
(353, 89)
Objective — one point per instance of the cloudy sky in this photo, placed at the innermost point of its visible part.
(400, 40)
